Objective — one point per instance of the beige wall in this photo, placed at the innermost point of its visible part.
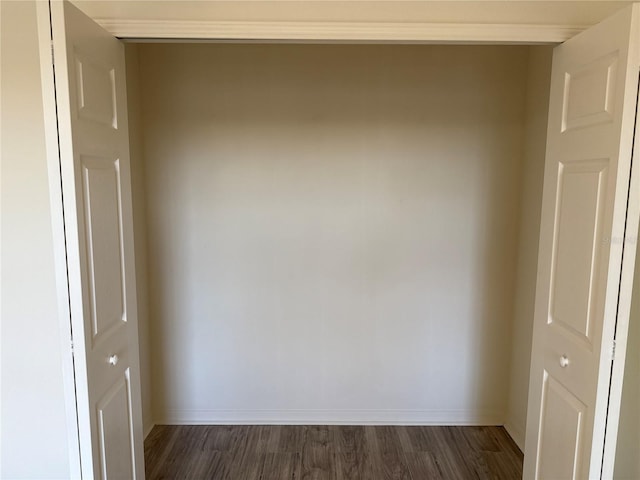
(627, 466)
(33, 424)
(332, 230)
(138, 192)
(537, 106)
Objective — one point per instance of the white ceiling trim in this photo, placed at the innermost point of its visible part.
(340, 31)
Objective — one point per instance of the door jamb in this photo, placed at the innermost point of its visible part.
(619, 352)
(45, 45)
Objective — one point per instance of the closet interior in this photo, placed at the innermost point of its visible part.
(336, 233)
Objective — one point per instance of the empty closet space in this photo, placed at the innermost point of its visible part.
(336, 233)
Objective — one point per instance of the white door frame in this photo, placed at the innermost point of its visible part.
(340, 32)
(45, 43)
(624, 303)
(303, 32)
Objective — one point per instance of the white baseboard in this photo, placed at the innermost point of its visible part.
(330, 417)
(516, 433)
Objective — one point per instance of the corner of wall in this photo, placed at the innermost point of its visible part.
(534, 147)
(140, 227)
(516, 432)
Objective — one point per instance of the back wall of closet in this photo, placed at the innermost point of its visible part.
(332, 232)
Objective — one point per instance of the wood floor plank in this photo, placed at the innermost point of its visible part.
(353, 454)
(424, 465)
(506, 443)
(318, 454)
(393, 462)
(416, 440)
(291, 438)
(481, 439)
(405, 438)
(219, 438)
(468, 453)
(485, 456)
(437, 441)
(246, 461)
(420, 454)
(509, 459)
(501, 466)
(281, 466)
(267, 439)
(157, 446)
(212, 464)
(245, 452)
(180, 461)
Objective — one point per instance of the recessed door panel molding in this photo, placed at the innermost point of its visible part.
(103, 224)
(577, 244)
(560, 450)
(116, 430)
(96, 91)
(589, 92)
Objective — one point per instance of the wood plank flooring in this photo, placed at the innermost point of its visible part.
(261, 452)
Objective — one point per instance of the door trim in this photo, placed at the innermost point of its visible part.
(343, 32)
(45, 43)
(624, 303)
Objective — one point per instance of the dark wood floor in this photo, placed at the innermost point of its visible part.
(331, 452)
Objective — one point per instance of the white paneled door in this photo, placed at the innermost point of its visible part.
(91, 103)
(588, 232)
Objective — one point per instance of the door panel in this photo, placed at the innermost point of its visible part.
(594, 87)
(589, 93)
(560, 431)
(94, 159)
(103, 223)
(575, 254)
(116, 430)
(96, 91)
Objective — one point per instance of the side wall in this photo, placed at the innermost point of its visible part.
(33, 422)
(138, 191)
(627, 466)
(332, 230)
(537, 107)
